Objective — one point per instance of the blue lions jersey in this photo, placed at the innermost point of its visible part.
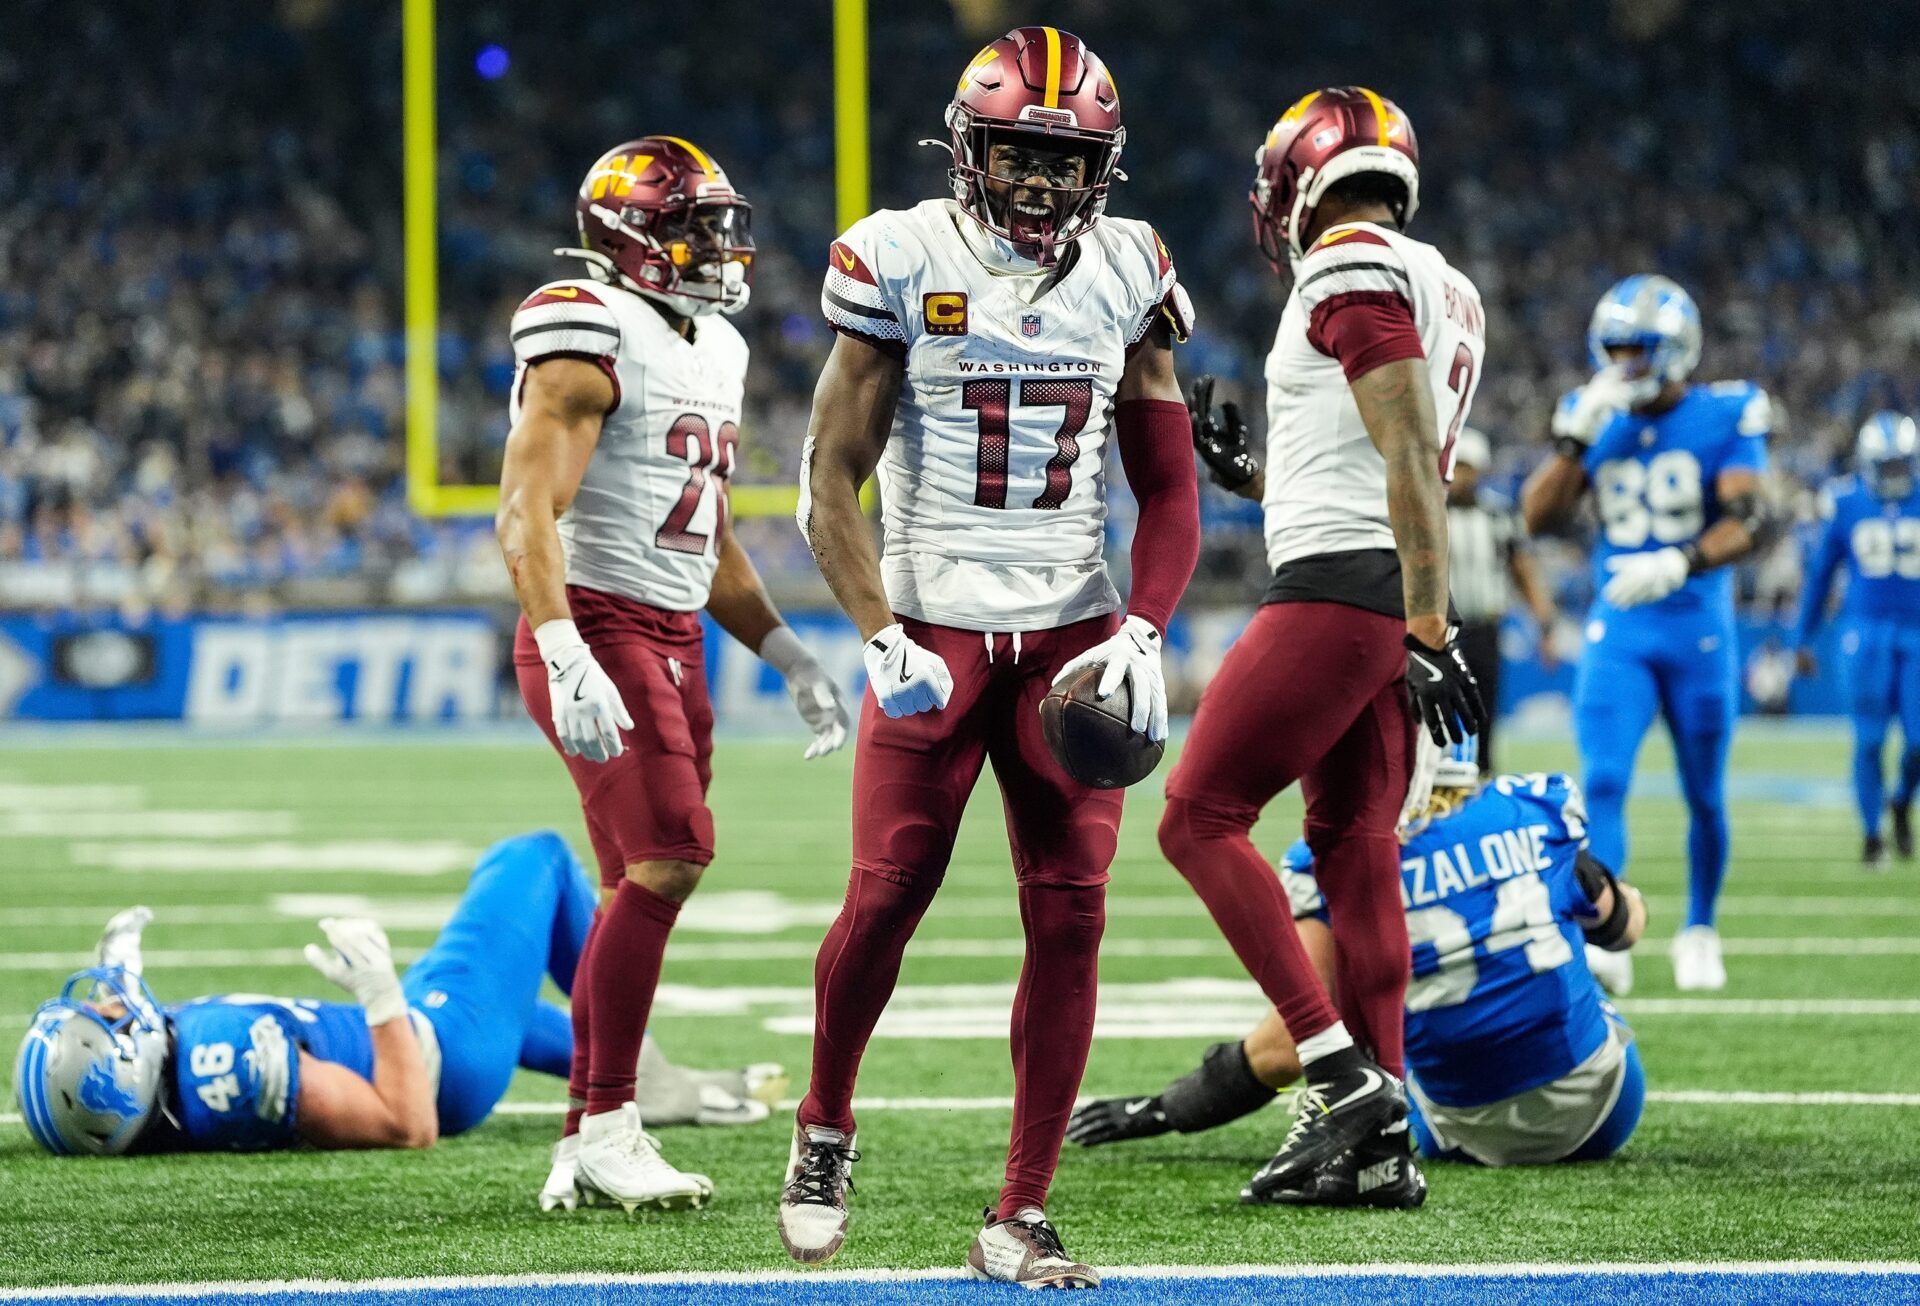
(236, 1065)
(1501, 1000)
(1653, 480)
(1878, 541)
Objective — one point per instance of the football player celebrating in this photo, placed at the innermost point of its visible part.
(1368, 385)
(991, 347)
(105, 1069)
(613, 521)
(1675, 471)
(1516, 1057)
(1873, 527)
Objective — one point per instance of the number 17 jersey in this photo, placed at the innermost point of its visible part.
(993, 485)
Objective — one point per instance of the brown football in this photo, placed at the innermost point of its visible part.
(1091, 737)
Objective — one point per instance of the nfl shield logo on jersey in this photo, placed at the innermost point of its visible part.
(1029, 324)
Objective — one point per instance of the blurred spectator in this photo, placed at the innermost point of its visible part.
(201, 389)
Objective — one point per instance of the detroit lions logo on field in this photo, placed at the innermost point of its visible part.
(100, 1091)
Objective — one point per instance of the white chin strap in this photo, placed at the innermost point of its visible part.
(734, 289)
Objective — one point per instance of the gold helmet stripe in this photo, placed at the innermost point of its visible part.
(706, 164)
(1379, 112)
(1053, 66)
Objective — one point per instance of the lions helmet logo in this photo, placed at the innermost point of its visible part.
(100, 1091)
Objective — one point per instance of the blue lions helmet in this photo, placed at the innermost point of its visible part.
(1653, 313)
(88, 1081)
(1887, 455)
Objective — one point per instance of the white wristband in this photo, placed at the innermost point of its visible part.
(783, 651)
(556, 637)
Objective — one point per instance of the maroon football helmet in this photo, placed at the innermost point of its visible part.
(1041, 88)
(1327, 135)
(658, 216)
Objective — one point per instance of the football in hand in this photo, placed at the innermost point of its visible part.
(1091, 737)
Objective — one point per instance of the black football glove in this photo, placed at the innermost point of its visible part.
(1117, 1119)
(1445, 695)
(1220, 437)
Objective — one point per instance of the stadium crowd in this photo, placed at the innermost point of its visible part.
(201, 391)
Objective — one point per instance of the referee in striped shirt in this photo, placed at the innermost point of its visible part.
(1490, 565)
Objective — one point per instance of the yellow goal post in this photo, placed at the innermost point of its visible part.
(426, 494)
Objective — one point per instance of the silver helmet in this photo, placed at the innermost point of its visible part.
(90, 1072)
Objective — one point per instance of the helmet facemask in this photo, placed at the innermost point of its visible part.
(1005, 175)
(90, 1070)
(695, 258)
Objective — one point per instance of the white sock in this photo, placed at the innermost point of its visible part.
(1328, 1041)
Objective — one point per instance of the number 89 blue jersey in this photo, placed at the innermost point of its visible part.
(1653, 478)
(1500, 999)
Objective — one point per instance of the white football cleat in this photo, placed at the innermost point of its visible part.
(813, 1205)
(1024, 1249)
(620, 1163)
(1614, 970)
(676, 1095)
(1696, 960)
(560, 1193)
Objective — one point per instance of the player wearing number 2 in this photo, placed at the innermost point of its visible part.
(613, 522)
(1370, 379)
(1676, 475)
(991, 348)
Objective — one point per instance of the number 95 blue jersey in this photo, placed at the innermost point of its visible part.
(1500, 1000)
(1654, 476)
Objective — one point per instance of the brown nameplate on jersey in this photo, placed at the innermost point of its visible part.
(945, 313)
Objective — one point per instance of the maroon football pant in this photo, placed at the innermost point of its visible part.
(911, 780)
(1310, 692)
(647, 805)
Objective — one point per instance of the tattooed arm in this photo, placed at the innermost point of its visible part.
(1397, 407)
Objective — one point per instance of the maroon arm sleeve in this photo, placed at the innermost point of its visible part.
(1156, 452)
(1364, 329)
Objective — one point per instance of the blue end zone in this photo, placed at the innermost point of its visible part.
(1444, 1288)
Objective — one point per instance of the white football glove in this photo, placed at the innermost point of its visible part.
(905, 677)
(361, 962)
(1131, 654)
(588, 715)
(1584, 413)
(1644, 577)
(814, 692)
(1426, 761)
(120, 941)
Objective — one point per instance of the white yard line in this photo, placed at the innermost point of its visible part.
(160, 823)
(1202, 1273)
(358, 856)
(1677, 1097)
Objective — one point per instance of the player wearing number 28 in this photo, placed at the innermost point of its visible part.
(992, 347)
(613, 522)
(1675, 471)
(1369, 382)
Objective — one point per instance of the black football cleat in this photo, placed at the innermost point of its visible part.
(1336, 1114)
(1118, 1119)
(1380, 1172)
(1873, 853)
(1902, 829)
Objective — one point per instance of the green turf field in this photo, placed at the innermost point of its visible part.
(1705, 1179)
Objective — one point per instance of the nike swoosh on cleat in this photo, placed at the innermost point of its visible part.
(1373, 1082)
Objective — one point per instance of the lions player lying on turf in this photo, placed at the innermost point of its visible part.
(105, 1069)
(1515, 1057)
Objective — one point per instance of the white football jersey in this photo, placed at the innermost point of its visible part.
(1326, 482)
(993, 484)
(646, 521)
